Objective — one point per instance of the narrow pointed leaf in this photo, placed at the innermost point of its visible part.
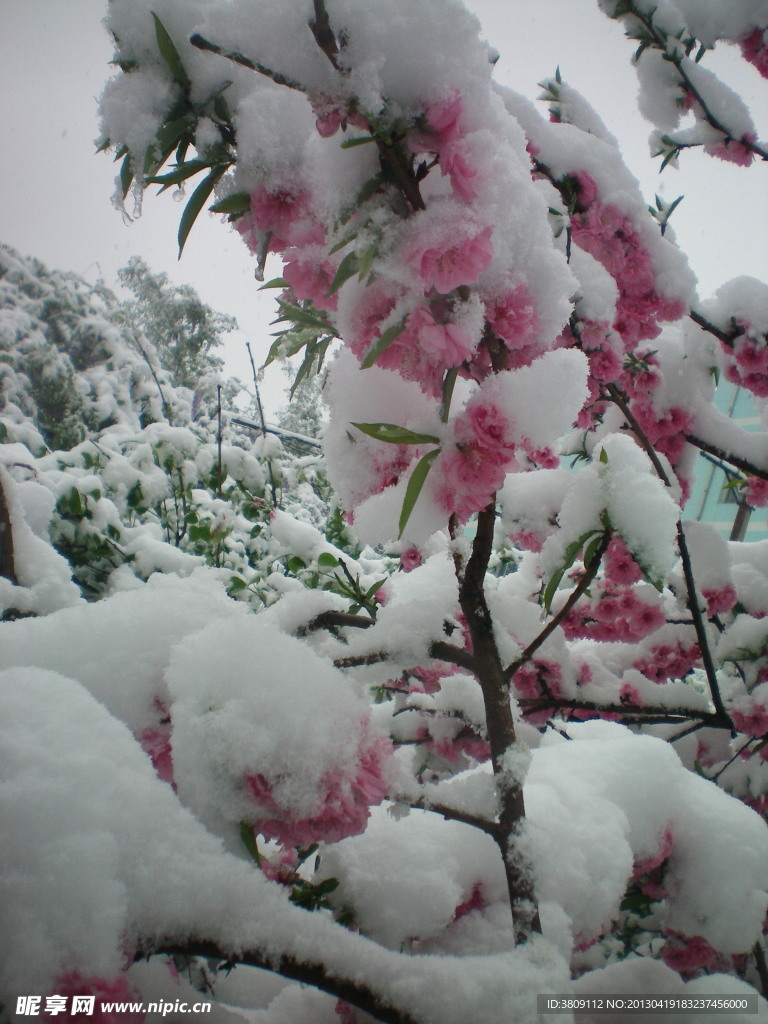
(393, 434)
(197, 201)
(303, 316)
(237, 203)
(415, 485)
(347, 268)
(569, 557)
(126, 174)
(179, 174)
(170, 54)
(382, 344)
(360, 140)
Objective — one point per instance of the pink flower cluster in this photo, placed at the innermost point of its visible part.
(410, 559)
(283, 213)
(734, 151)
(510, 339)
(310, 279)
(109, 990)
(757, 491)
(426, 348)
(665, 430)
(606, 233)
(754, 48)
(613, 614)
(618, 564)
(538, 678)
(689, 954)
(668, 661)
(649, 872)
(720, 599)
(748, 364)
(473, 470)
(344, 805)
(465, 743)
(750, 712)
(156, 742)
(441, 133)
(332, 114)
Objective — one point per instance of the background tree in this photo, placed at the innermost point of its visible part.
(184, 330)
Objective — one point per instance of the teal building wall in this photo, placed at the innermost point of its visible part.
(711, 500)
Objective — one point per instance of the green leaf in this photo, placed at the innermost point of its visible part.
(668, 158)
(179, 174)
(367, 190)
(346, 269)
(249, 841)
(569, 557)
(327, 561)
(327, 886)
(366, 258)
(169, 134)
(673, 206)
(304, 316)
(170, 54)
(126, 175)
(448, 385)
(276, 282)
(235, 204)
(236, 584)
(359, 140)
(197, 201)
(603, 456)
(314, 351)
(295, 564)
(415, 484)
(591, 550)
(393, 434)
(382, 344)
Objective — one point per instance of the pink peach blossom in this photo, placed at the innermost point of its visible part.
(446, 267)
(346, 800)
(310, 279)
(410, 559)
(686, 954)
(754, 48)
(105, 990)
(735, 151)
(513, 317)
(757, 491)
(442, 126)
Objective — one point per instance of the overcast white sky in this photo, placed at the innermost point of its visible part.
(55, 199)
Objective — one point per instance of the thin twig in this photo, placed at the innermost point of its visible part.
(440, 650)
(352, 991)
(582, 585)
(7, 554)
(719, 453)
(323, 33)
(762, 969)
(659, 712)
(332, 619)
(685, 558)
(727, 337)
(239, 58)
(661, 44)
(450, 813)
(272, 485)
